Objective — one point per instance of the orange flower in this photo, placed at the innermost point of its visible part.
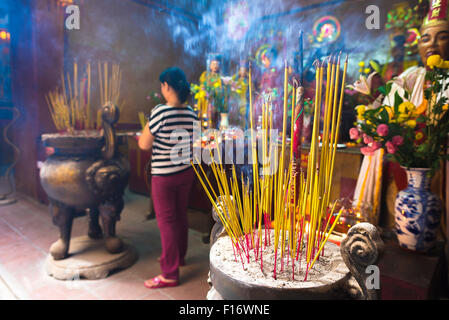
(421, 108)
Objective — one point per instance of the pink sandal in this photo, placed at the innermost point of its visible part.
(159, 283)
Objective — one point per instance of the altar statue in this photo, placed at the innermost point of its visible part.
(239, 96)
(211, 82)
(270, 85)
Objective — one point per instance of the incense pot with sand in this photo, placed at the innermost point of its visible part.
(339, 274)
(85, 175)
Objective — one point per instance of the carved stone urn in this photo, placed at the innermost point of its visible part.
(85, 175)
(344, 276)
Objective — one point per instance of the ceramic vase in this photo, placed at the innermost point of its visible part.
(417, 212)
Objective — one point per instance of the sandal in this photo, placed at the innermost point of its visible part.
(159, 283)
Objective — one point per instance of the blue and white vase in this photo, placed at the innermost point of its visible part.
(417, 212)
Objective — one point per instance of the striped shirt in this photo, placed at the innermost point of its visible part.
(172, 128)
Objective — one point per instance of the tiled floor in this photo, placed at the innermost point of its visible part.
(26, 233)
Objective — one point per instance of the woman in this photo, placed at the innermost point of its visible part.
(168, 135)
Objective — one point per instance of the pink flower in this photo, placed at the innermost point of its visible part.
(382, 130)
(354, 133)
(367, 151)
(391, 148)
(363, 85)
(367, 139)
(397, 140)
(376, 145)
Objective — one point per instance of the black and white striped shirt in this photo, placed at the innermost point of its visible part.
(172, 128)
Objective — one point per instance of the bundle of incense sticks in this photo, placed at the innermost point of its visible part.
(110, 84)
(297, 203)
(70, 108)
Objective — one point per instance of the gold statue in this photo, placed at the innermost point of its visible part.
(239, 94)
(211, 82)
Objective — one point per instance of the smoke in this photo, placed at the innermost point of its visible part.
(237, 29)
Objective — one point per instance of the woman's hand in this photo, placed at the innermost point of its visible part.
(145, 141)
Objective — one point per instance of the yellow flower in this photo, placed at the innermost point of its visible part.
(419, 135)
(217, 84)
(360, 111)
(406, 107)
(435, 61)
(411, 124)
(445, 107)
(361, 64)
(402, 117)
(367, 70)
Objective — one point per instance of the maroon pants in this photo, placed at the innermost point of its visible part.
(170, 196)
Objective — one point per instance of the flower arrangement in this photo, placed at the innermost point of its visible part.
(216, 92)
(413, 136)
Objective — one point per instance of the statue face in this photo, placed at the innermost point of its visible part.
(214, 66)
(434, 40)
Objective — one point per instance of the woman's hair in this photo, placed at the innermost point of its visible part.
(176, 79)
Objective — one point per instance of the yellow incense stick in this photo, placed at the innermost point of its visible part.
(327, 237)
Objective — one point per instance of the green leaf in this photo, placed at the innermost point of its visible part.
(388, 87)
(421, 119)
(383, 115)
(397, 101)
(423, 148)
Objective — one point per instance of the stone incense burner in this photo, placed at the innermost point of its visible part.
(85, 175)
(341, 275)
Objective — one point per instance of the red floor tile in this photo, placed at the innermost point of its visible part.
(125, 288)
(26, 233)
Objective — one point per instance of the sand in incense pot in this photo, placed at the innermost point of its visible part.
(328, 269)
